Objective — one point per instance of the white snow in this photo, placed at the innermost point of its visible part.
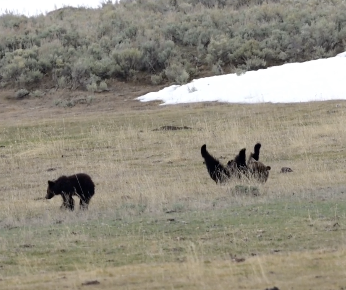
(316, 80)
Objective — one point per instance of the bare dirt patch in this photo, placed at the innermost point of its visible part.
(120, 97)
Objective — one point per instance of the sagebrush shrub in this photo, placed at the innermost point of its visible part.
(118, 40)
(21, 93)
(177, 73)
(126, 62)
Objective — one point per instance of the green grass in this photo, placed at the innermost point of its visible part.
(216, 233)
(157, 219)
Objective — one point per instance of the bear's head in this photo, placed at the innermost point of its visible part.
(50, 189)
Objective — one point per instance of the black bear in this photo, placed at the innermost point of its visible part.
(240, 160)
(237, 167)
(79, 184)
(256, 153)
(233, 168)
(258, 170)
(216, 170)
(252, 168)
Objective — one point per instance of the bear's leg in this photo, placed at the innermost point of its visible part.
(64, 201)
(68, 202)
(71, 203)
(83, 204)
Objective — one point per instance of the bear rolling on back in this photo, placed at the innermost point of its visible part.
(258, 170)
(215, 169)
(79, 184)
(240, 160)
(256, 151)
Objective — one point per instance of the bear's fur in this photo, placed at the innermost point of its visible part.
(216, 170)
(250, 169)
(79, 184)
(256, 151)
(240, 160)
(258, 170)
(233, 169)
(237, 166)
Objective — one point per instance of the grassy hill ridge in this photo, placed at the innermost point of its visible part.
(165, 41)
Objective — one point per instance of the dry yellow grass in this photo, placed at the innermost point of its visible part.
(313, 270)
(139, 170)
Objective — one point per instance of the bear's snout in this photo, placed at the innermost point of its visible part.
(49, 195)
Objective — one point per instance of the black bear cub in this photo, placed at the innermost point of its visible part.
(216, 170)
(79, 184)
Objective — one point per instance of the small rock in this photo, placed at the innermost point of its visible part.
(286, 170)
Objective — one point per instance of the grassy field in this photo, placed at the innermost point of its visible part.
(157, 220)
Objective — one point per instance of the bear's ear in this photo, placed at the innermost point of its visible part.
(51, 183)
(268, 168)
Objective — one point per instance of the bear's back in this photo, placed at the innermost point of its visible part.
(82, 183)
